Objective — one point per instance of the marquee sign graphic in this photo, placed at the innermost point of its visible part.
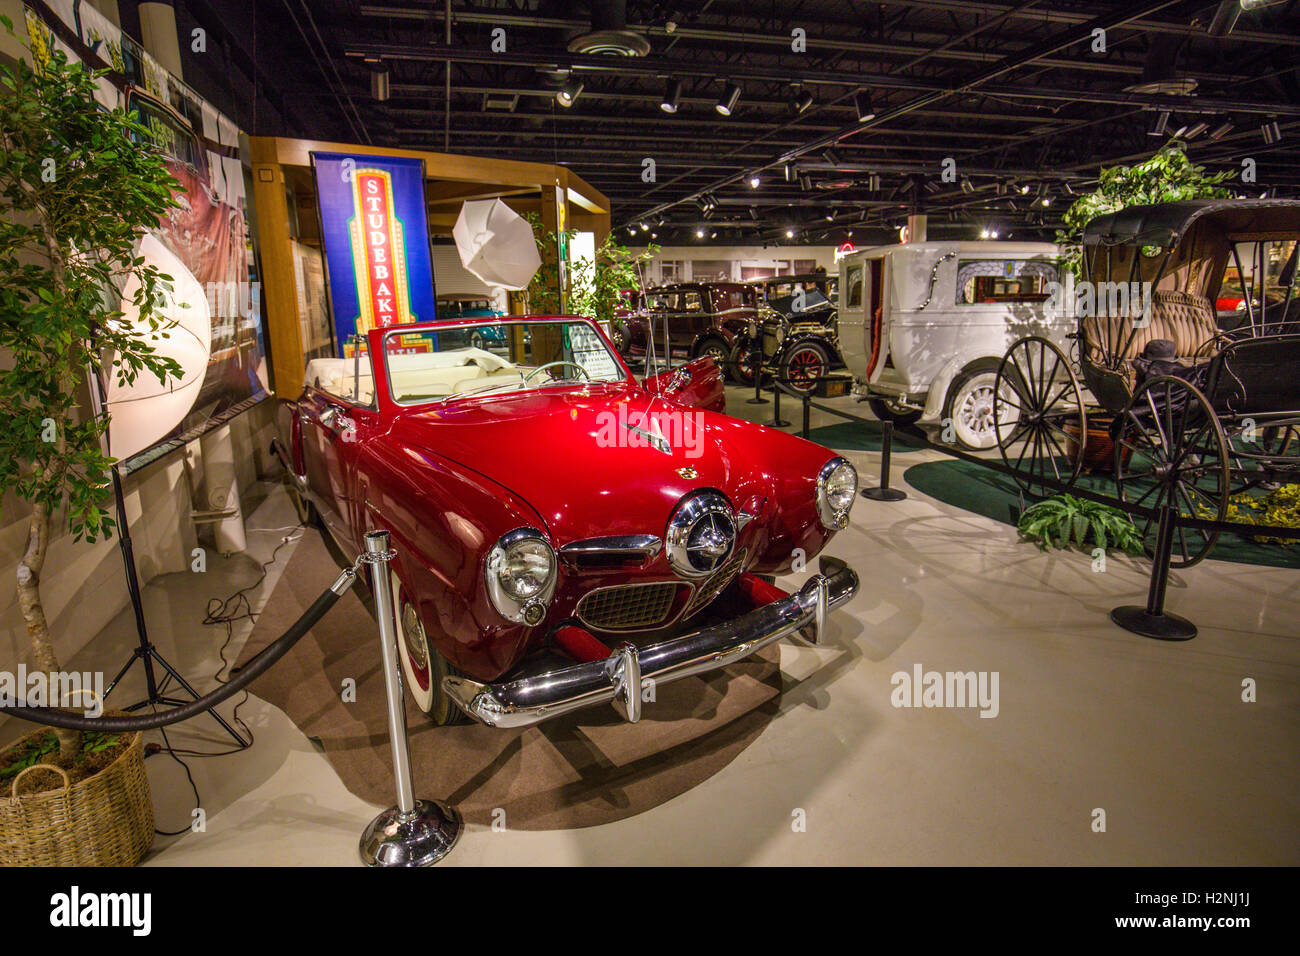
(376, 241)
(378, 253)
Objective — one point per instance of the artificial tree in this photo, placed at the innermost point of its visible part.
(1167, 176)
(598, 286)
(78, 186)
(593, 287)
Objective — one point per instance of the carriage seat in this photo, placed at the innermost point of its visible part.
(1184, 319)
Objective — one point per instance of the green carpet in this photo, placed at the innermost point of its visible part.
(994, 495)
(858, 436)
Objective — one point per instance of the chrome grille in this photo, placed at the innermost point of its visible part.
(628, 607)
(711, 588)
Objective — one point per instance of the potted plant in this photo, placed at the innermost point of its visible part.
(78, 186)
(598, 286)
(594, 288)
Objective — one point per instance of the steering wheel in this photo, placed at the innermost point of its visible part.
(542, 368)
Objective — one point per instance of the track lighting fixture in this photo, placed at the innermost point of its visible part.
(568, 94)
(862, 100)
(730, 97)
(672, 96)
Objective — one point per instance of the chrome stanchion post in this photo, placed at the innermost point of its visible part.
(415, 832)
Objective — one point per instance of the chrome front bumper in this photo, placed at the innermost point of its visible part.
(619, 678)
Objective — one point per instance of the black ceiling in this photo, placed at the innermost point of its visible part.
(1018, 95)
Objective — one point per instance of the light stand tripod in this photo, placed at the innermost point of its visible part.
(145, 651)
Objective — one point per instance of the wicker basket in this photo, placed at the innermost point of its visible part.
(104, 820)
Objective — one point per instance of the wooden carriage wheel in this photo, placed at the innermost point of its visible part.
(1177, 453)
(1038, 395)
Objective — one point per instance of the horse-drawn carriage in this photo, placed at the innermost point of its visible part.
(1188, 405)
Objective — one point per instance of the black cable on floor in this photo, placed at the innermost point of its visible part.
(225, 612)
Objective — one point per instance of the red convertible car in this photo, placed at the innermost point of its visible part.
(565, 535)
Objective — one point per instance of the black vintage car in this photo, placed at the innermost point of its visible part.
(795, 334)
(698, 318)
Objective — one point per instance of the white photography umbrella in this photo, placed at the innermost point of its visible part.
(496, 244)
(145, 411)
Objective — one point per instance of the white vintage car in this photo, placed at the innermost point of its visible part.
(923, 327)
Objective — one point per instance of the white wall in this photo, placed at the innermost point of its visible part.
(738, 256)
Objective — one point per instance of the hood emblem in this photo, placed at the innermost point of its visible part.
(689, 473)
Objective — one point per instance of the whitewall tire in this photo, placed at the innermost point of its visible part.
(969, 406)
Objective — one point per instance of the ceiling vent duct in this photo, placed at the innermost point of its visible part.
(609, 34)
(1160, 73)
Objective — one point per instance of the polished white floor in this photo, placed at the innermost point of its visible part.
(1155, 736)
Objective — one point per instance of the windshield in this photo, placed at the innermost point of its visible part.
(435, 365)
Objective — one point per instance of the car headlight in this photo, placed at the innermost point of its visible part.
(520, 575)
(837, 489)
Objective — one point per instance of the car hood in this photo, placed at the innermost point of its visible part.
(592, 461)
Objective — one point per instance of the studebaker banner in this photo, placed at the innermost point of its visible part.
(376, 241)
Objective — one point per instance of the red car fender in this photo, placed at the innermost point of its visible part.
(444, 519)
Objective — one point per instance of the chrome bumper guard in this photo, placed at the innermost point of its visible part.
(619, 678)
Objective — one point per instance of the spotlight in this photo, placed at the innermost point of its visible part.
(754, 181)
(1024, 190)
(730, 97)
(805, 182)
(644, 227)
(1272, 134)
(672, 96)
(830, 217)
(788, 170)
(699, 233)
(1220, 131)
(1162, 122)
(801, 102)
(1045, 201)
(984, 233)
(379, 83)
(568, 94)
(873, 182)
(967, 186)
(713, 235)
(753, 213)
(862, 100)
(789, 233)
(993, 233)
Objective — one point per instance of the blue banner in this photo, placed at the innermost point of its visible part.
(376, 240)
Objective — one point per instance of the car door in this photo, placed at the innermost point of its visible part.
(337, 415)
